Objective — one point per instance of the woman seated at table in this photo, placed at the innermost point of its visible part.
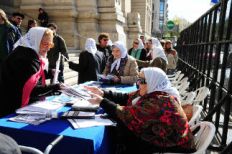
(91, 62)
(23, 69)
(157, 54)
(138, 51)
(121, 66)
(152, 117)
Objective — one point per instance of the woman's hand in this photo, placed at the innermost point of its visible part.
(53, 71)
(116, 79)
(95, 90)
(95, 99)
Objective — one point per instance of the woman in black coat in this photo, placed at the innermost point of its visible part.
(138, 51)
(23, 70)
(91, 62)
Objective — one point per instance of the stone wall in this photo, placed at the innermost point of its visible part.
(144, 8)
(79, 19)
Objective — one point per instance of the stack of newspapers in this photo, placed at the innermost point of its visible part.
(77, 92)
(37, 113)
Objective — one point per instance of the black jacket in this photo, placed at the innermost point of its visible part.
(142, 55)
(106, 50)
(43, 18)
(89, 66)
(53, 53)
(19, 66)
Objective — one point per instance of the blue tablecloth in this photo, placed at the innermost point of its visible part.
(93, 140)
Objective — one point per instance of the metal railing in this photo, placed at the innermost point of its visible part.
(205, 52)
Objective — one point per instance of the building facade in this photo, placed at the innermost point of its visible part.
(159, 17)
(79, 19)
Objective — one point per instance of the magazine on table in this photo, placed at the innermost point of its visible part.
(97, 121)
(84, 105)
(40, 108)
(77, 92)
(37, 113)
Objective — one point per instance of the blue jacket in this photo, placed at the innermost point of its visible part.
(12, 36)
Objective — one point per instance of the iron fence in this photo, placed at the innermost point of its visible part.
(205, 52)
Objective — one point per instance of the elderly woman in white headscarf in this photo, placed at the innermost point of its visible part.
(138, 51)
(122, 66)
(152, 115)
(91, 62)
(23, 69)
(156, 52)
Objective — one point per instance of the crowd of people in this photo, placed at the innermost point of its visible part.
(150, 119)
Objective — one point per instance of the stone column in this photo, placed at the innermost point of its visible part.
(112, 19)
(126, 7)
(63, 13)
(134, 27)
(145, 10)
(87, 20)
(155, 18)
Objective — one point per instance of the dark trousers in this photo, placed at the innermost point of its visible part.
(60, 75)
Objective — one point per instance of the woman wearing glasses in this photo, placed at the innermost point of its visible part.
(151, 119)
(157, 55)
(121, 66)
(138, 51)
(23, 69)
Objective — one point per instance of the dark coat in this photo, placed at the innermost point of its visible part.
(89, 66)
(43, 18)
(143, 55)
(53, 53)
(19, 66)
(107, 50)
(10, 36)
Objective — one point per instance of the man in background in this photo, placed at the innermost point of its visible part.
(43, 17)
(53, 54)
(9, 34)
(103, 46)
(16, 20)
(142, 38)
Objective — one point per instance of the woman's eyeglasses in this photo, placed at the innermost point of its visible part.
(141, 81)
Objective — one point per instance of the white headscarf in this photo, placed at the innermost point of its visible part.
(90, 46)
(157, 49)
(123, 50)
(32, 40)
(157, 80)
(110, 43)
(141, 46)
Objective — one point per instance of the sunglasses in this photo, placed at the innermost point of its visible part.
(140, 81)
(136, 42)
(105, 39)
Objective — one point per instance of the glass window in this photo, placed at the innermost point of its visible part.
(161, 6)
